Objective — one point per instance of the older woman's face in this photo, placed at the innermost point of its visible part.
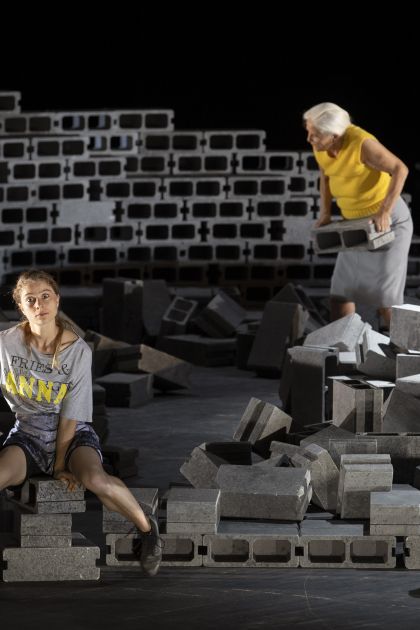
(319, 141)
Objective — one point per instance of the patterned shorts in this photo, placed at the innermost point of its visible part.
(38, 443)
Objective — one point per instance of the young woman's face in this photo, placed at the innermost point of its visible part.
(39, 302)
(319, 141)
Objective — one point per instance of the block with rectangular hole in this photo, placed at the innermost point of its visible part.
(179, 550)
(327, 550)
(345, 235)
(252, 544)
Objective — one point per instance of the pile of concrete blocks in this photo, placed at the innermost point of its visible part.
(45, 547)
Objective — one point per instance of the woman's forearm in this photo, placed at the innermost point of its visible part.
(325, 196)
(395, 188)
(65, 434)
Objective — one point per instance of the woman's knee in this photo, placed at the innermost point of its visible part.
(96, 481)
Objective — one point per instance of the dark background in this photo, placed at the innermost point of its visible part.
(247, 68)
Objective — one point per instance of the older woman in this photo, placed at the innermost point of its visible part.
(45, 377)
(366, 180)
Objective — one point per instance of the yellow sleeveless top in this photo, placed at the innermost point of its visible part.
(358, 189)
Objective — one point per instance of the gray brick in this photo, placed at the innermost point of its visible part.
(193, 505)
(405, 326)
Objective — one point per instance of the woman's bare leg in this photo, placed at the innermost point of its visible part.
(86, 466)
(341, 309)
(385, 316)
(12, 466)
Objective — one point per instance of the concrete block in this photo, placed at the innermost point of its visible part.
(344, 552)
(168, 372)
(221, 317)
(407, 364)
(261, 423)
(311, 366)
(46, 541)
(177, 316)
(147, 498)
(374, 356)
(250, 544)
(324, 476)
(339, 448)
(342, 235)
(409, 385)
(323, 437)
(401, 413)
(126, 390)
(51, 564)
(43, 488)
(190, 528)
(43, 524)
(201, 468)
(264, 493)
(193, 505)
(404, 450)
(396, 507)
(356, 405)
(412, 552)
(281, 325)
(405, 326)
(180, 550)
(199, 350)
(343, 334)
(394, 530)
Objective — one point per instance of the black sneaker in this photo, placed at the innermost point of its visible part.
(150, 549)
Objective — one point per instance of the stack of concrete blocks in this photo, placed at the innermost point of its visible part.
(48, 550)
(359, 476)
(112, 190)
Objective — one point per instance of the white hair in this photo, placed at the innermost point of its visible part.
(328, 118)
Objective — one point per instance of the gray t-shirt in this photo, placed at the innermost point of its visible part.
(31, 385)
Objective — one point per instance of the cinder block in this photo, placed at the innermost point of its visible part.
(405, 326)
(221, 317)
(311, 366)
(324, 475)
(177, 316)
(199, 350)
(201, 468)
(264, 493)
(250, 544)
(375, 357)
(179, 550)
(281, 325)
(115, 522)
(357, 234)
(343, 333)
(169, 372)
(412, 552)
(357, 407)
(407, 364)
(401, 413)
(126, 390)
(193, 505)
(43, 524)
(344, 552)
(261, 423)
